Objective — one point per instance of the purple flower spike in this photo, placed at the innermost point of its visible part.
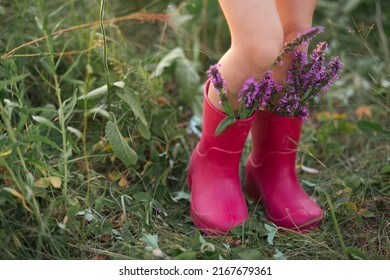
(216, 78)
(335, 66)
(307, 78)
(249, 92)
(306, 36)
(267, 88)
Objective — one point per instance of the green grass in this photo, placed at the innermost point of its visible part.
(104, 176)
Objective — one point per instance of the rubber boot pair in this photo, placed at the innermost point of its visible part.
(217, 200)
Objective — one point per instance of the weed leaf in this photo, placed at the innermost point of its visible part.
(142, 196)
(250, 254)
(119, 145)
(188, 79)
(271, 233)
(99, 110)
(151, 240)
(168, 60)
(68, 106)
(39, 138)
(190, 255)
(279, 255)
(46, 122)
(227, 121)
(356, 254)
(144, 130)
(15, 79)
(385, 169)
(101, 91)
(75, 131)
(132, 100)
(17, 194)
(369, 127)
(43, 167)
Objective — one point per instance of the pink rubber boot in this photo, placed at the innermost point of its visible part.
(217, 201)
(271, 175)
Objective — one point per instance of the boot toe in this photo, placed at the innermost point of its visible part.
(217, 223)
(302, 219)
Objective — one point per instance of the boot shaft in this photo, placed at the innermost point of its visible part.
(232, 139)
(274, 134)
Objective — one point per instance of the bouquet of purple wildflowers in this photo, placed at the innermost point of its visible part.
(307, 79)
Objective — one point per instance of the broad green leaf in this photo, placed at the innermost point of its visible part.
(100, 111)
(144, 130)
(227, 121)
(151, 240)
(271, 233)
(73, 210)
(142, 196)
(119, 145)
(207, 247)
(168, 60)
(131, 99)
(279, 255)
(15, 79)
(40, 138)
(46, 122)
(188, 79)
(385, 169)
(250, 254)
(43, 166)
(386, 188)
(76, 132)
(369, 127)
(190, 255)
(68, 105)
(46, 64)
(101, 91)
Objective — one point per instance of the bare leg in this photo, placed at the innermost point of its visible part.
(256, 39)
(296, 16)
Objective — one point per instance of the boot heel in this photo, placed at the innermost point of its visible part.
(189, 181)
(251, 186)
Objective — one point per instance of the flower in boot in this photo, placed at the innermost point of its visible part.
(301, 38)
(216, 78)
(306, 79)
(249, 92)
(268, 87)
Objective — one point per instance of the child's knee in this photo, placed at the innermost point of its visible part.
(259, 53)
